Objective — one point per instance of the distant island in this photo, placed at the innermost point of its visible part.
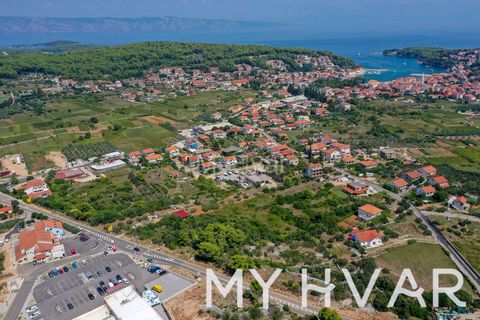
(25, 25)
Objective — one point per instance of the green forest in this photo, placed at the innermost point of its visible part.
(435, 57)
(121, 62)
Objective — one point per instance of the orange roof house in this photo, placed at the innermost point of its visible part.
(439, 181)
(48, 224)
(39, 194)
(172, 150)
(367, 238)
(34, 183)
(148, 151)
(33, 242)
(368, 212)
(53, 226)
(317, 147)
(348, 160)
(367, 164)
(154, 158)
(398, 183)
(355, 188)
(427, 171)
(426, 191)
(412, 176)
(34, 189)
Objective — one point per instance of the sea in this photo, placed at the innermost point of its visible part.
(365, 49)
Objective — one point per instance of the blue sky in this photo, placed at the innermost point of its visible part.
(342, 15)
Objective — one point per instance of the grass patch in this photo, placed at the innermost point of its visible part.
(421, 258)
(457, 162)
(470, 155)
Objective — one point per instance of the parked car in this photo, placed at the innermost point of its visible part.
(65, 269)
(35, 314)
(50, 274)
(161, 272)
(125, 280)
(136, 249)
(100, 291)
(55, 272)
(74, 265)
(91, 296)
(108, 269)
(153, 269)
(99, 273)
(60, 270)
(70, 306)
(32, 308)
(119, 278)
(158, 288)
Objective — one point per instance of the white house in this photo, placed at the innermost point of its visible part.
(426, 191)
(332, 155)
(427, 171)
(367, 238)
(229, 160)
(314, 170)
(459, 203)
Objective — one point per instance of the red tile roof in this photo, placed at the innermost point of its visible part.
(43, 224)
(399, 182)
(6, 209)
(428, 189)
(367, 235)
(429, 169)
(181, 213)
(30, 184)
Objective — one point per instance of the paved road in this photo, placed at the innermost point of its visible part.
(128, 246)
(462, 263)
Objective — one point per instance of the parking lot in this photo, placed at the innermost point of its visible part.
(82, 243)
(171, 284)
(71, 289)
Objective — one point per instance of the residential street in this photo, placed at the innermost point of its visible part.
(462, 264)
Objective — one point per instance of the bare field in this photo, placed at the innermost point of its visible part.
(158, 120)
(57, 158)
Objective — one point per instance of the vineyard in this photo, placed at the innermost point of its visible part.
(85, 151)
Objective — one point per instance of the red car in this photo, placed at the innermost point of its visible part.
(60, 270)
(73, 251)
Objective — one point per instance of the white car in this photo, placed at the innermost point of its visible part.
(32, 308)
(125, 280)
(35, 314)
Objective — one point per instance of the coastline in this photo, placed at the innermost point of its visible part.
(364, 50)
